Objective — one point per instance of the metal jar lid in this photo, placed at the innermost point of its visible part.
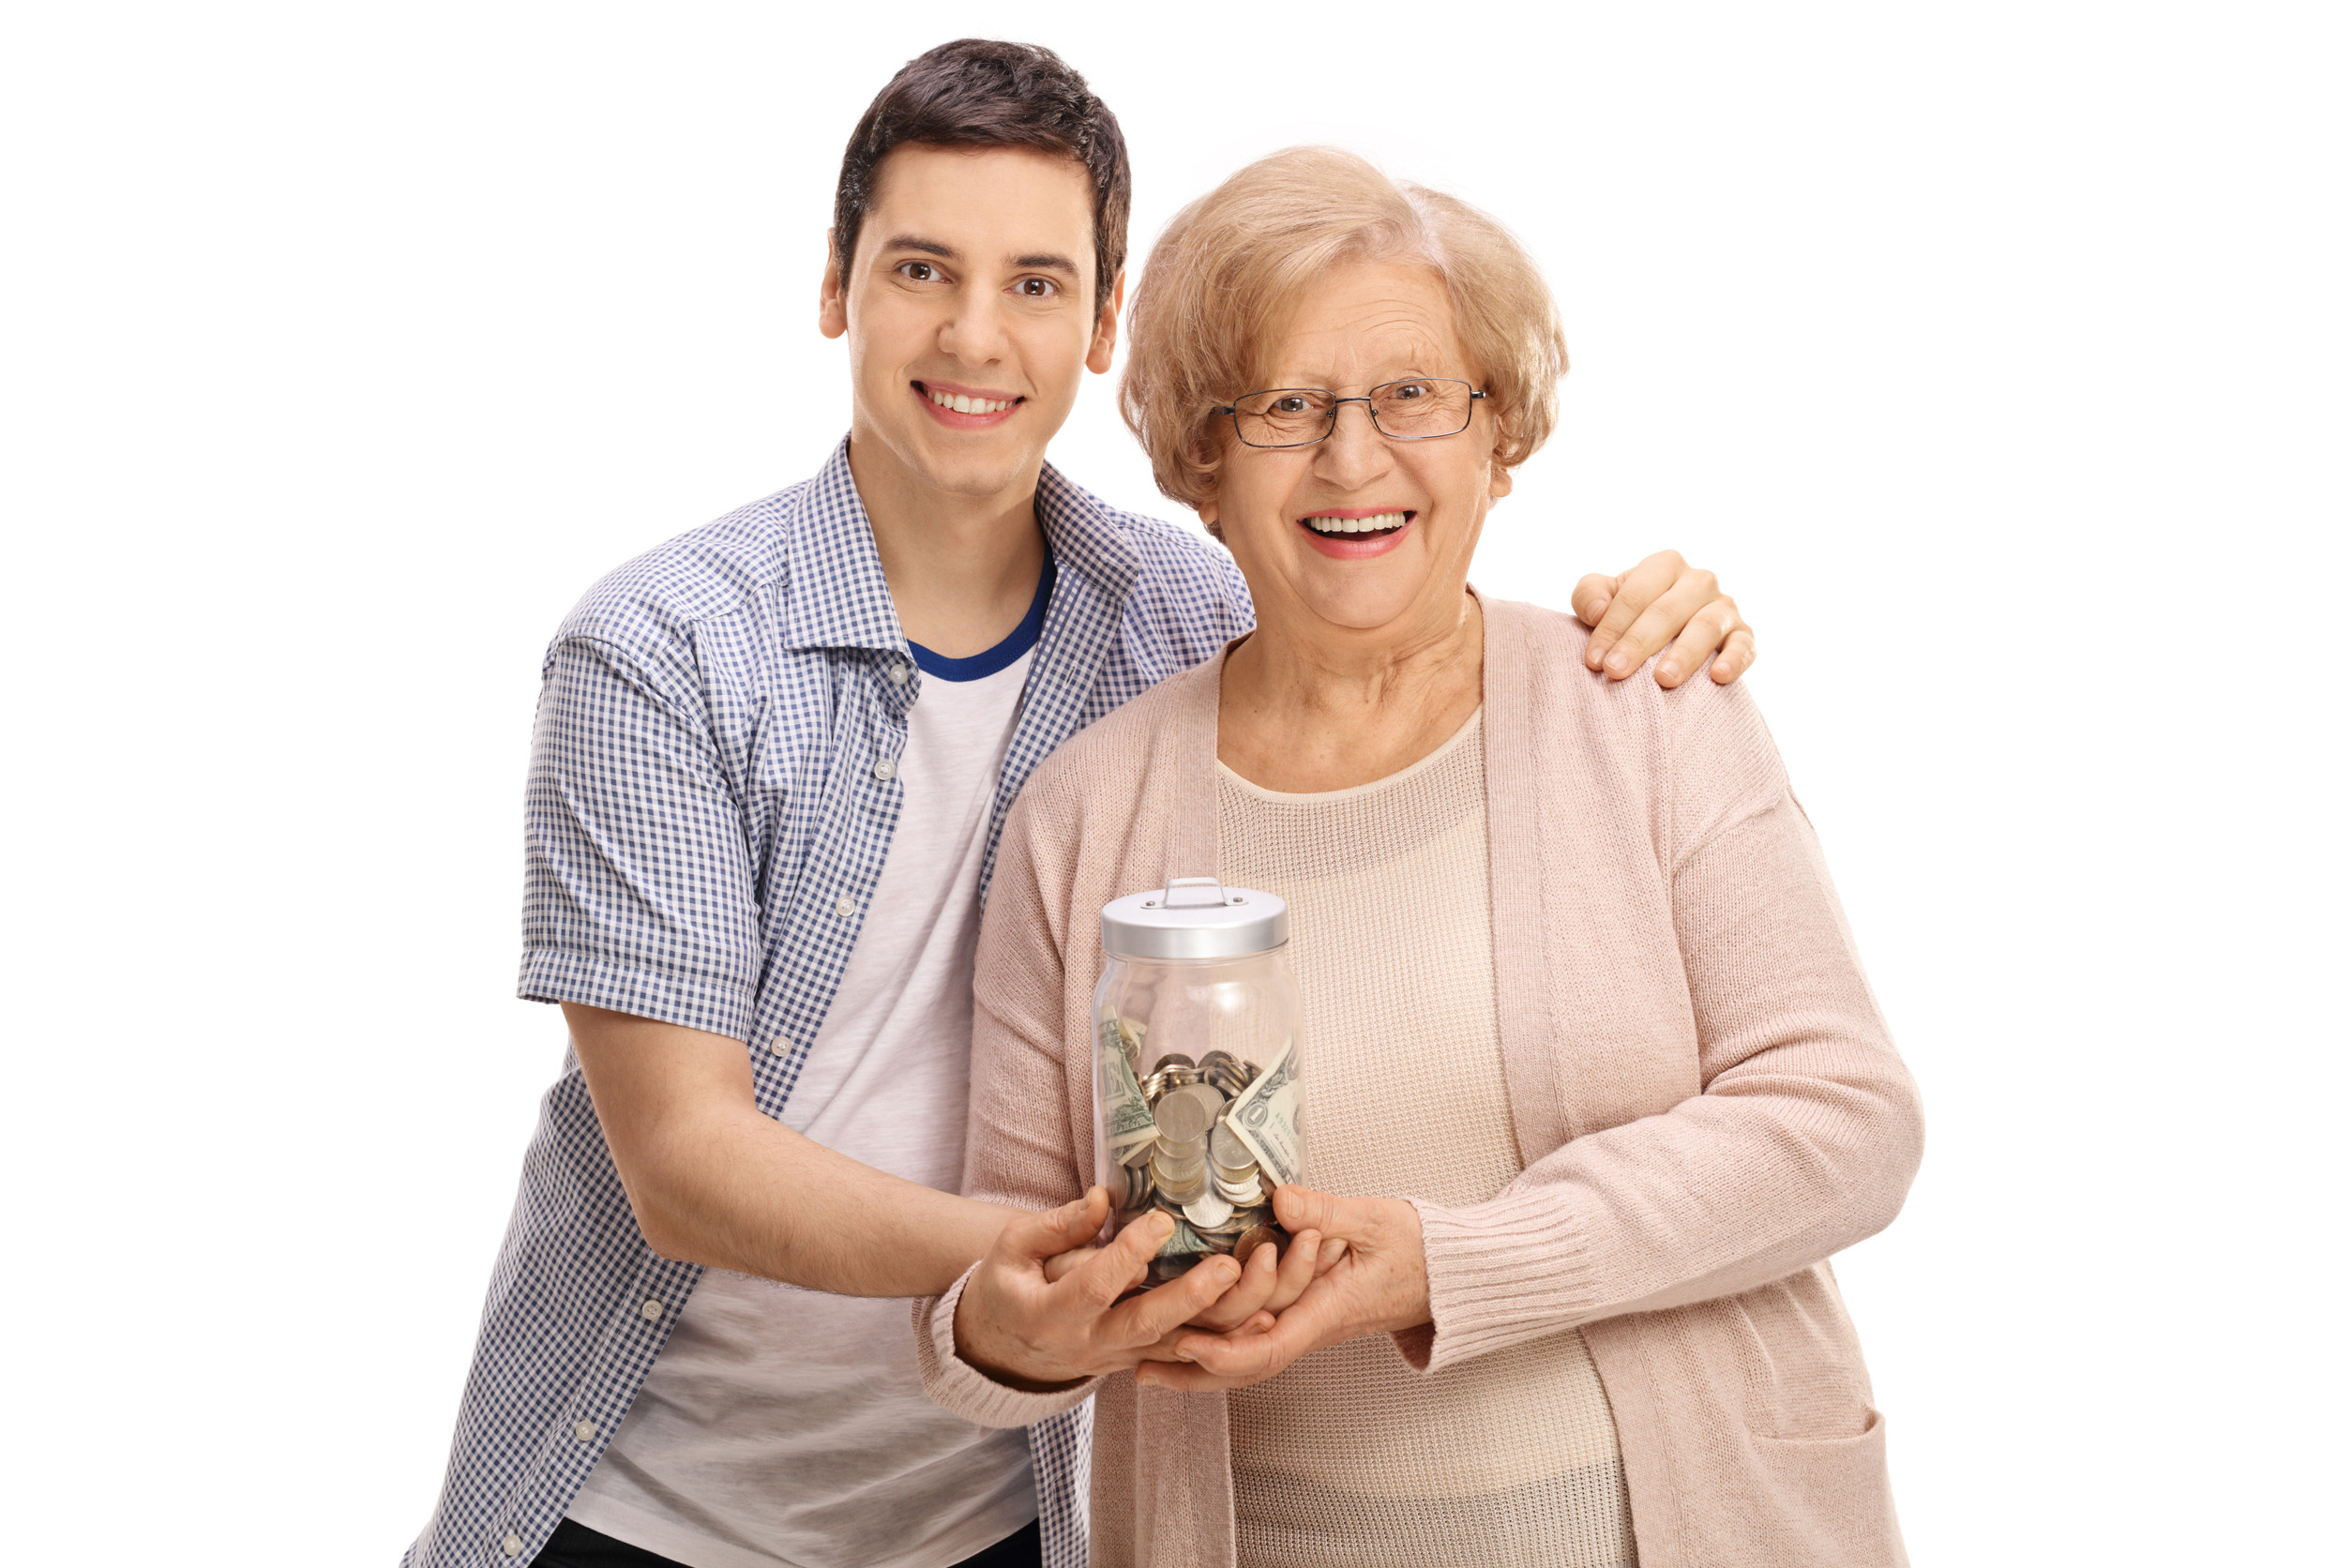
(1195, 917)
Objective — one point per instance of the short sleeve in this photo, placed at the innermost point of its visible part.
(639, 883)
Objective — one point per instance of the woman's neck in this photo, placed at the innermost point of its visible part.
(1304, 715)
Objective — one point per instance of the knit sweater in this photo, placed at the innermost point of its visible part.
(1351, 1457)
(1704, 1096)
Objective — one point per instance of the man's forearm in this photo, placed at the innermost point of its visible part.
(713, 1180)
(736, 1189)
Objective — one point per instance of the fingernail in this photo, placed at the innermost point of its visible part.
(1162, 1227)
(1143, 1377)
(1617, 663)
(1670, 669)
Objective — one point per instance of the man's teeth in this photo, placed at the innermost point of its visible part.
(962, 404)
(1379, 524)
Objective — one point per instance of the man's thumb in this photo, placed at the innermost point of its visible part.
(1050, 1231)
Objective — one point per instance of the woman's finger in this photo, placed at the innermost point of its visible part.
(1250, 1293)
(1707, 631)
(1636, 591)
(1302, 1260)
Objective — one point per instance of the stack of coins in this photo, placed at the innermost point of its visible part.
(1189, 1161)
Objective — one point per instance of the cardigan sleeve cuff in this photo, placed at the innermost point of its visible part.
(1500, 1273)
(963, 1389)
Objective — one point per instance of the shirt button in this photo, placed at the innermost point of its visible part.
(652, 1310)
(845, 906)
(898, 675)
(885, 767)
(584, 1430)
(780, 1045)
(513, 1544)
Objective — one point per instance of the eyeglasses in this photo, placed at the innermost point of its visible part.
(1422, 409)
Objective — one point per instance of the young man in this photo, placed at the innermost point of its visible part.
(771, 760)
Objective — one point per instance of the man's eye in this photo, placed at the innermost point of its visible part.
(921, 272)
(1036, 288)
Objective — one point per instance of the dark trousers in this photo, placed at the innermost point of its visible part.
(575, 1546)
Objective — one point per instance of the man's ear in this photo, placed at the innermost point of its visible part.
(832, 304)
(1106, 325)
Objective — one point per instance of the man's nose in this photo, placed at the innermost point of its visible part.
(974, 329)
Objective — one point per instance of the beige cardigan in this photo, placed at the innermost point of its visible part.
(1703, 1091)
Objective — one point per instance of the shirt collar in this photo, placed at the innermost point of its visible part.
(839, 597)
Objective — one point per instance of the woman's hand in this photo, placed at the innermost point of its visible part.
(1635, 616)
(1022, 1329)
(1379, 1284)
(1271, 1281)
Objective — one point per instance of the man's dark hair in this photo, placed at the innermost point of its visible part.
(982, 93)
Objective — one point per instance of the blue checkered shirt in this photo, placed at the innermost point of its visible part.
(706, 824)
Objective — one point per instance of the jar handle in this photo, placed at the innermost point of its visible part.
(1168, 894)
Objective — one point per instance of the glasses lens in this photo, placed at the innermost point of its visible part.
(1416, 410)
(1287, 417)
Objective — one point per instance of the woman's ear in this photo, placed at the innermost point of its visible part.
(1209, 520)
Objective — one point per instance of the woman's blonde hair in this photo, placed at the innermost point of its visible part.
(1233, 265)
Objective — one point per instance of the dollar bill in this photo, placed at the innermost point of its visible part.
(1182, 1241)
(1126, 1115)
(1265, 1117)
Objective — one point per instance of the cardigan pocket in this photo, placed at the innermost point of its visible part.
(1830, 1502)
(1799, 1359)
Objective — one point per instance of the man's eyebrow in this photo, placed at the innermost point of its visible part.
(1047, 264)
(929, 246)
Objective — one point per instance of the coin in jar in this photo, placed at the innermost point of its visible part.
(1208, 1212)
(1181, 1116)
(1258, 1236)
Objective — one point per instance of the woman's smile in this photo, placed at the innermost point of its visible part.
(1354, 535)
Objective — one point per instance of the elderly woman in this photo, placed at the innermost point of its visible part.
(1575, 1306)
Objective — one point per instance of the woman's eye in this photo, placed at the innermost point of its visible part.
(1408, 391)
(1289, 405)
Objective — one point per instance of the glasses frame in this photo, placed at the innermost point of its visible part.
(1233, 410)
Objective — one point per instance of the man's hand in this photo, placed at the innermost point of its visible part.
(1635, 616)
(1020, 1328)
(1378, 1285)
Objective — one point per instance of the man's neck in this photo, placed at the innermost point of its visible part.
(962, 569)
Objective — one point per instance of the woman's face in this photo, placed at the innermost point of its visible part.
(1287, 513)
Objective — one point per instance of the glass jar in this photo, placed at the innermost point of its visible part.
(1197, 1067)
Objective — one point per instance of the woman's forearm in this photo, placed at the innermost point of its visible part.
(1804, 1142)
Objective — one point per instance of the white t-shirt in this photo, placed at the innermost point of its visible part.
(785, 1425)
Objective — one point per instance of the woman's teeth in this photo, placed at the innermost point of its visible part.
(1377, 524)
(962, 404)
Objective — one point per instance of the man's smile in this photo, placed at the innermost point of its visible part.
(967, 408)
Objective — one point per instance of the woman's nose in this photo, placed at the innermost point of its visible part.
(1355, 453)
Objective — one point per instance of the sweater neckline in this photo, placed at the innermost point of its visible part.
(1460, 738)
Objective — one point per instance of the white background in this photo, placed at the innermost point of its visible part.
(1995, 355)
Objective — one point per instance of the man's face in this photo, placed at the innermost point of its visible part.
(970, 310)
